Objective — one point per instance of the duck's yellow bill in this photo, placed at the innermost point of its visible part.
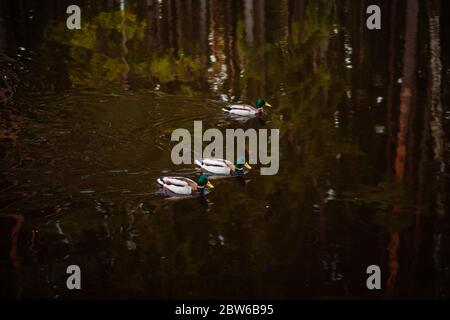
(209, 185)
(268, 105)
(247, 166)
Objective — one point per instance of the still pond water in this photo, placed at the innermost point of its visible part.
(86, 125)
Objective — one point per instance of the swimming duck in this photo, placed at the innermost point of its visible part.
(185, 186)
(223, 167)
(247, 110)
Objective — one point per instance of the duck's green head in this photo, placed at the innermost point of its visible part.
(240, 164)
(203, 181)
(260, 103)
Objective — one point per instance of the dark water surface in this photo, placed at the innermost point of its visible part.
(86, 122)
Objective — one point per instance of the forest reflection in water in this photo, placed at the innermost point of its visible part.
(86, 120)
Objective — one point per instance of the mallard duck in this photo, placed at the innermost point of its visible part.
(185, 186)
(222, 167)
(247, 110)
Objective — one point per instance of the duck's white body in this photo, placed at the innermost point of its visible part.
(178, 185)
(243, 110)
(215, 166)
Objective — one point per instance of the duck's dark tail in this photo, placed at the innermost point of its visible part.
(160, 181)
